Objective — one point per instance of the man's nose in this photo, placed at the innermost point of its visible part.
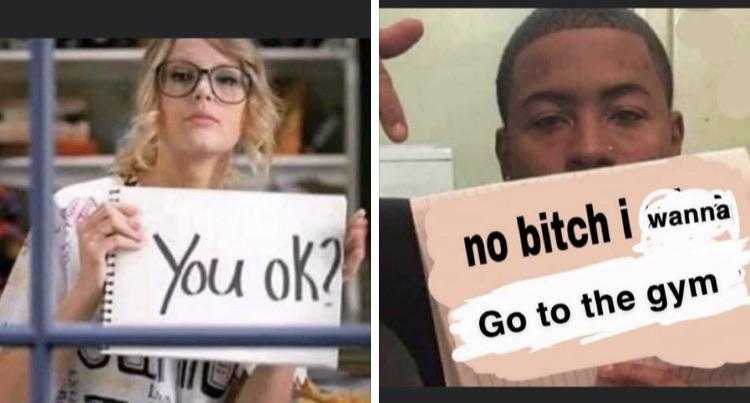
(590, 145)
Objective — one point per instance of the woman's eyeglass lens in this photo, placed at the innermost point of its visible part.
(178, 79)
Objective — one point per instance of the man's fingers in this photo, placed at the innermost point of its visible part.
(636, 374)
(394, 40)
(391, 113)
(399, 37)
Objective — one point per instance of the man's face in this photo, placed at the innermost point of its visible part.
(585, 98)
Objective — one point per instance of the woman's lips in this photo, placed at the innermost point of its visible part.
(202, 119)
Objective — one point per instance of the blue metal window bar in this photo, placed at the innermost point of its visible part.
(43, 334)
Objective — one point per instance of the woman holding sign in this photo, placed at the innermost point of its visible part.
(198, 101)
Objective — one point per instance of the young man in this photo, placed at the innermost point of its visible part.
(580, 89)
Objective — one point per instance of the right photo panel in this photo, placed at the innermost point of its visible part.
(564, 197)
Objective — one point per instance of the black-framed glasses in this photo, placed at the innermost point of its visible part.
(229, 84)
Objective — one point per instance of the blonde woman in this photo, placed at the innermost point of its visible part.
(197, 103)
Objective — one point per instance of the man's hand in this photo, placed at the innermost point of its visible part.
(395, 40)
(637, 373)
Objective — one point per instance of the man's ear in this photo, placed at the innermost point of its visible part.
(677, 133)
(500, 151)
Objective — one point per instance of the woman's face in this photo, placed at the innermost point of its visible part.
(199, 124)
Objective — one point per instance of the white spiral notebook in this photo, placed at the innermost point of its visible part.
(229, 258)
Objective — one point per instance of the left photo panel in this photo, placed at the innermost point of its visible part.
(185, 219)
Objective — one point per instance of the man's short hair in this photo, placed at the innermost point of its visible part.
(543, 22)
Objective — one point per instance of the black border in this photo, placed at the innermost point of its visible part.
(365, 176)
(564, 395)
(260, 19)
(560, 3)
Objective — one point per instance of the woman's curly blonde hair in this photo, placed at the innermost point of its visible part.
(259, 124)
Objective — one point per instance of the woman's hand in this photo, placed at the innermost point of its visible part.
(111, 227)
(355, 244)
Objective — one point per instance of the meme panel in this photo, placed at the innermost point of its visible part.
(204, 183)
(577, 208)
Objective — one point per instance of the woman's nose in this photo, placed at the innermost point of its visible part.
(203, 87)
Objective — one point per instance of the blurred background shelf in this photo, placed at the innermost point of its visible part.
(135, 54)
(326, 169)
(108, 64)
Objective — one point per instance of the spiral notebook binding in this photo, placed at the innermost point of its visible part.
(109, 277)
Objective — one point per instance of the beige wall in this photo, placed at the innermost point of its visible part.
(712, 77)
(446, 82)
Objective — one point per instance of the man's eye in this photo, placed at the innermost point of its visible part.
(550, 122)
(627, 117)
